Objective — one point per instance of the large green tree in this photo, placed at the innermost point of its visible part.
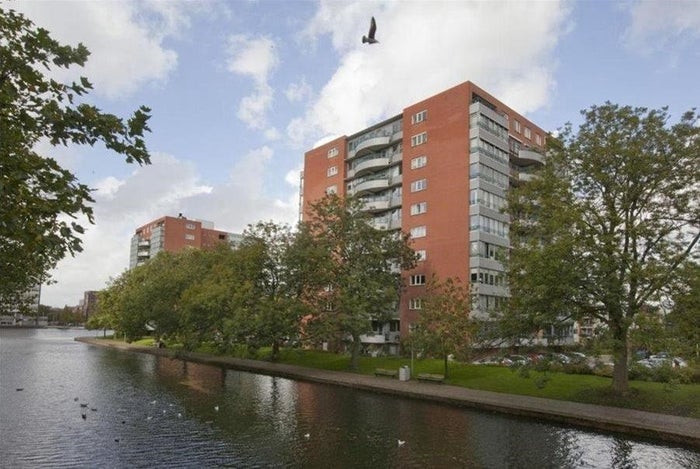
(683, 321)
(361, 268)
(41, 202)
(603, 230)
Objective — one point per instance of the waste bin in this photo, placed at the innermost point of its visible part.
(404, 373)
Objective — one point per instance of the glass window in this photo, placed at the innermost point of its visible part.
(332, 189)
(419, 117)
(422, 254)
(418, 231)
(332, 171)
(419, 139)
(419, 185)
(415, 303)
(419, 162)
(420, 207)
(332, 152)
(418, 279)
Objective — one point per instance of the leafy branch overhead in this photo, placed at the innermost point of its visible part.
(37, 196)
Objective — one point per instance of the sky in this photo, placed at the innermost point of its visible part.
(239, 90)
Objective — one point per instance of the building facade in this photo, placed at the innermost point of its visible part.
(24, 311)
(440, 171)
(173, 234)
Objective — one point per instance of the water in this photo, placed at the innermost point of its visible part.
(158, 412)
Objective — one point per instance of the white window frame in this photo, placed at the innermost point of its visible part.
(415, 303)
(528, 133)
(417, 280)
(419, 162)
(419, 116)
(332, 189)
(333, 152)
(190, 226)
(516, 125)
(419, 139)
(422, 254)
(419, 185)
(420, 207)
(332, 171)
(538, 139)
(189, 237)
(419, 231)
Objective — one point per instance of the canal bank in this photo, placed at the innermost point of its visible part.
(682, 430)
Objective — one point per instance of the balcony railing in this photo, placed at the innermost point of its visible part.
(530, 156)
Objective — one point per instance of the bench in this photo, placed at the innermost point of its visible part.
(385, 372)
(431, 377)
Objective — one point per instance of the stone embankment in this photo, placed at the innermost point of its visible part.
(682, 430)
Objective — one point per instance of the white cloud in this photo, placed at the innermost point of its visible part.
(125, 39)
(656, 25)
(426, 47)
(300, 91)
(256, 58)
(166, 187)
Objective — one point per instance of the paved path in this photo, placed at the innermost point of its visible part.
(670, 428)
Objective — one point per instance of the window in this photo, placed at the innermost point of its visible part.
(419, 162)
(517, 125)
(332, 189)
(332, 171)
(332, 152)
(419, 139)
(418, 231)
(189, 237)
(422, 254)
(528, 134)
(419, 185)
(417, 279)
(419, 117)
(488, 174)
(488, 225)
(190, 226)
(538, 139)
(487, 199)
(420, 207)
(415, 303)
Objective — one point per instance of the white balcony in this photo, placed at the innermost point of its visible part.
(371, 164)
(529, 156)
(371, 144)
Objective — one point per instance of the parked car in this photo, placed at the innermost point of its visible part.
(517, 360)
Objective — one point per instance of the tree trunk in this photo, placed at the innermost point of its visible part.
(275, 350)
(355, 353)
(620, 369)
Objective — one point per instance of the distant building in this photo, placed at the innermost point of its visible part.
(23, 312)
(88, 304)
(173, 234)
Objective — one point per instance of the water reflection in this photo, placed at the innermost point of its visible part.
(160, 412)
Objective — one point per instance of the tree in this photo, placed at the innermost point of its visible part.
(360, 269)
(278, 284)
(684, 319)
(444, 326)
(39, 200)
(604, 228)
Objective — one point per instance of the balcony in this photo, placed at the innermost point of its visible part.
(371, 164)
(377, 338)
(371, 144)
(373, 185)
(377, 205)
(528, 156)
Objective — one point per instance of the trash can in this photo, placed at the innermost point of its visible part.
(404, 373)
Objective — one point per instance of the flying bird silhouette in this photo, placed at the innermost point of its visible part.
(370, 37)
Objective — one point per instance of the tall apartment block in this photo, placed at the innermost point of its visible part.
(174, 234)
(439, 171)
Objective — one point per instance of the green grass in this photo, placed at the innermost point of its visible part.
(681, 399)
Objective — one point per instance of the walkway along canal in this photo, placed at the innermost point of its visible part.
(681, 430)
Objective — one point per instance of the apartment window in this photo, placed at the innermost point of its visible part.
(332, 171)
(528, 134)
(422, 254)
(419, 162)
(189, 237)
(418, 231)
(332, 152)
(516, 125)
(419, 185)
(415, 303)
(419, 117)
(190, 226)
(420, 207)
(417, 279)
(538, 139)
(332, 189)
(419, 139)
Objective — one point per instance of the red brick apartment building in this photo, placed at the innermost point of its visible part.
(174, 234)
(439, 171)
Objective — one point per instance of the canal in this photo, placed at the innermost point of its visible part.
(67, 404)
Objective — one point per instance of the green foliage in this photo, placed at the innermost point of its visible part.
(357, 266)
(41, 202)
(603, 230)
(444, 326)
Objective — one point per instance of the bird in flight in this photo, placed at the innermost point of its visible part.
(372, 29)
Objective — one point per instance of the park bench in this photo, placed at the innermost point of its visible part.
(385, 372)
(431, 377)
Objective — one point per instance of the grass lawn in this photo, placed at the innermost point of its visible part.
(681, 399)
